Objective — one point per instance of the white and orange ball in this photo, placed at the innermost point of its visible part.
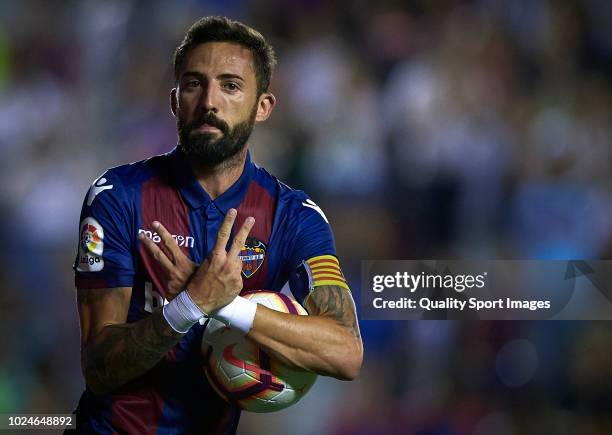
(243, 374)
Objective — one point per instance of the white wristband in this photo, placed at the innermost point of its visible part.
(238, 314)
(182, 313)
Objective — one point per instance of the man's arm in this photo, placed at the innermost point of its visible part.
(114, 352)
(327, 341)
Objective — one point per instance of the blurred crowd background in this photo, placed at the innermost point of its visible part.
(424, 129)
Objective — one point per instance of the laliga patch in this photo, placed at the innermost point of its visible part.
(91, 246)
(252, 256)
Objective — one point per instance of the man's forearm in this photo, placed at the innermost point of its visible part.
(327, 341)
(123, 352)
(314, 343)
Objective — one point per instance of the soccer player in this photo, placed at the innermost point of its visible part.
(170, 240)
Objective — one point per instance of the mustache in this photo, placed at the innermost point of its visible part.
(210, 119)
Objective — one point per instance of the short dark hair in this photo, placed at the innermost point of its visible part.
(222, 29)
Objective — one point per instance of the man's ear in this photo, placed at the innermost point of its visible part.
(173, 102)
(265, 105)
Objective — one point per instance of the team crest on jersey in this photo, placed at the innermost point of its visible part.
(252, 255)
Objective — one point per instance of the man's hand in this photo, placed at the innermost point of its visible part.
(219, 280)
(179, 268)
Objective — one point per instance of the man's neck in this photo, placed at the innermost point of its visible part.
(216, 180)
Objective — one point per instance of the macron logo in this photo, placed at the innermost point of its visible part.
(97, 188)
(310, 204)
(180, 240)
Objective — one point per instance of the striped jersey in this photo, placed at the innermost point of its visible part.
(291, 242)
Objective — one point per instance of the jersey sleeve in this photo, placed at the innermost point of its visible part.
(313, 255)
(105, 258)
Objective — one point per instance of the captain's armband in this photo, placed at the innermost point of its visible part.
(316, 272)
(324, 270)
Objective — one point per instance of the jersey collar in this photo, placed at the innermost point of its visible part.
(196, 197)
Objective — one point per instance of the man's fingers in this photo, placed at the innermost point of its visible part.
(224, 231)
(155, 252)
(241, 236)
(169, 242)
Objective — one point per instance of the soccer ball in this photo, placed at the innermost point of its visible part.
(245, 375)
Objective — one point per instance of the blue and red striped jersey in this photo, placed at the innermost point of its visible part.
(174, 397)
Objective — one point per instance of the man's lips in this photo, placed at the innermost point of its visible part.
(207, 128)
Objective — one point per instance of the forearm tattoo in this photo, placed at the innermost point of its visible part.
(123, 352)
(335, 302)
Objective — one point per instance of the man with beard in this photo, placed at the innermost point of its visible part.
(168, 241)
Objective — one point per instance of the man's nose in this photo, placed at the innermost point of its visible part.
(209, 99)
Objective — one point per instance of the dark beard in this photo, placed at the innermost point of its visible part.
(204, 149)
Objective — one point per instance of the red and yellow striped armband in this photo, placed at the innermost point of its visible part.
(325, 270)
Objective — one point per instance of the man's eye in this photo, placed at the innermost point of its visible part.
(193, 83)
(230, 86)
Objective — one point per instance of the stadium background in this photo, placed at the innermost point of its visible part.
(424, 129)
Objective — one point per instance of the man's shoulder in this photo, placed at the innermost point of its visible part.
(286, 194)
(295, 203)
(121, 183)
(137, 173)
